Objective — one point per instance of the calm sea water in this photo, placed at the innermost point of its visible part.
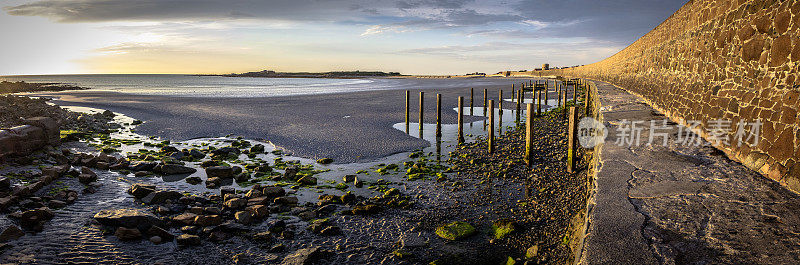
(217, 86)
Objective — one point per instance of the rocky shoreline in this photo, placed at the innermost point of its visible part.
(247, 194)
(22, 87)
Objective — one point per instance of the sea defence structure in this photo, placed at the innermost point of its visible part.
(715, 61)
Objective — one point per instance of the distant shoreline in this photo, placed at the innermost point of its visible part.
(23, 87)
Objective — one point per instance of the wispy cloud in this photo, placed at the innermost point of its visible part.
(477, 32)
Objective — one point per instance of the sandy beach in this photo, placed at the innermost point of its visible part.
(348, 127)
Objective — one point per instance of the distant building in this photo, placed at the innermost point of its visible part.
(546, 66)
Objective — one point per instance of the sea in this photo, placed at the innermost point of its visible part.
(220, 86)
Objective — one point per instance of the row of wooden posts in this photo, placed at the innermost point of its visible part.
(539, 92)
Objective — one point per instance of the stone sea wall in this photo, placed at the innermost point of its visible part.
(734, 60)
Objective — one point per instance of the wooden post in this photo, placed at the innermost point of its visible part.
(438, 115)
(500, 100)
(485, 98)
(575, 93)
(408, 108)
(491, 126)
(471, 95)
(519, 101)
(529, 135)
(460, 120)
(500, 113)
(571, 140)
(421, 108)
(513, 93)
(546, 89)
(538, 98)
(558, 85)
(587, 108)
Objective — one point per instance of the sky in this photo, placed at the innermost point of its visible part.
(232, 36)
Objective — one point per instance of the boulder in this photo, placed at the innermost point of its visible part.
(349, 178)
(102, 165)
(226, 151)
(291, 172)
(503, 227)
(207, 220)
(164, 235)
(366, 209)
(188, 240)
(219, 172)
(455, 230)
(273, 191)
(128, 234)
(161, 196)
(532, 252)
(324, 161)
(287, 200)
(243, 217)
(35, 216)
(87, 176)
(253, 193)
(235, 203)
(55, 204)
(5, 184)
(304, 256)
(194, 180)
(12, 232)
(130, 218)
(213, 183)
(196, 153)
(185, 218)
(174, 169)
(259, 211)
(307, 180)
(143, 166)
(141, 190)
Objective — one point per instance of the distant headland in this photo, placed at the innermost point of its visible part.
(22, 86)
(342, 74)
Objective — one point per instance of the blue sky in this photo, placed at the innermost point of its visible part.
(223, 36)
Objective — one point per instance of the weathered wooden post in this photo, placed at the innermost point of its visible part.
(538, 99)
(587, 108)
(421, 108)
(485, 98)
(460, 120)
(571, 144)
(471, 96)
(575, 92)
(438, 115)
(513, 93)
(558, 89)
(491, 126)
(519, 101)
(546, 89)
(408, 108)
(529, 135)
(565, 111)
(500, 112)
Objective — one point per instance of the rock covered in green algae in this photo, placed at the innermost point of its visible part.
(455, 230)
(325, 161)
(503, 227)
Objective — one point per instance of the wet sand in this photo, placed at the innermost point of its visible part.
(348, 127)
